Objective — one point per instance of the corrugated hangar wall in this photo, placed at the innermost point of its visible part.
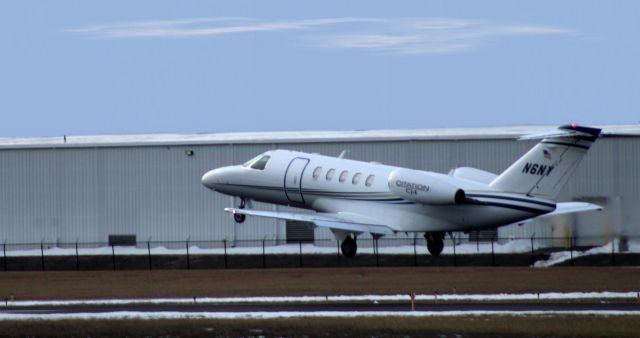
(154, 192)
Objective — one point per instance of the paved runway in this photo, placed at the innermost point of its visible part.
(329, 307)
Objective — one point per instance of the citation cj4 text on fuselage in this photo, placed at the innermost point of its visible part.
(353, 197)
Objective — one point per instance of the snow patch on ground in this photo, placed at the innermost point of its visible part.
(633, 246)
(287, 249)
(296, 314)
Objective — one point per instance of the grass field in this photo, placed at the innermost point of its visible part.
(313, 281)
(317, 281)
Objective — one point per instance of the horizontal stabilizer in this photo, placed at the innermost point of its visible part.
(564, 131)
(318, 219)
(565, 208)
(572, 207)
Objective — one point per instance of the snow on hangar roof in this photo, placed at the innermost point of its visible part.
(168, 139)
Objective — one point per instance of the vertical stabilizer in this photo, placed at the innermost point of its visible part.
(546, 167)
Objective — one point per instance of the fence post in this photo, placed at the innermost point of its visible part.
(375, 247)
(77, 257)
(493, 254)
(42, 253)
(113, 256)
(613, 252)
(264, 258)
(455, 260)
(226, 266)
(300, 256)
(149, 252)
(532, 257)
(4, 254)
(415, 252)
(188, 261)
(571, 249)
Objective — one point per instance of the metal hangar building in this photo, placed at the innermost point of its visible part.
(87, 188)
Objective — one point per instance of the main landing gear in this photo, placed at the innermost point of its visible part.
(239, 218)
(349, 247)
(435, 242)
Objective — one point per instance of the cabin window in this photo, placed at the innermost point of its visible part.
(261, 163)
(343, 176)
(356, 178)
(330, 174)
(316, 173)
(369, 180)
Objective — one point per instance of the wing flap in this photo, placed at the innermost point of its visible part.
(318, 219)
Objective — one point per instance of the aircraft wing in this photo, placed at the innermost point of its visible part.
(319, 219)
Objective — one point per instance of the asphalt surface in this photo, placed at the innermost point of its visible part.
(328, 307)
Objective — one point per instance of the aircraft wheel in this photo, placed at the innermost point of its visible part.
(435, 242)
(239, 218)
(349, 247)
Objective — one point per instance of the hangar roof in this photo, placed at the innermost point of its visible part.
(507, 132)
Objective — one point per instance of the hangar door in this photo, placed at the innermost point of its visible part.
(299, 232)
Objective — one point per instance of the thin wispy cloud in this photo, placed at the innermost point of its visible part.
(433, 35)
(396, 36)
(202, 27)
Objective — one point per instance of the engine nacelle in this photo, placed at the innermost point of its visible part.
(425, 188)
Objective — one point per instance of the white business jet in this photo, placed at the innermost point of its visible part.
(352, 197)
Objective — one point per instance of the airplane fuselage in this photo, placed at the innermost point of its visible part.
(360, 191)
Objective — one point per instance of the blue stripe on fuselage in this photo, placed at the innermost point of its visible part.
(386, 197)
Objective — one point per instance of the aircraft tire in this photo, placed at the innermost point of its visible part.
(349, 247)
(435, 243)
(239, 218)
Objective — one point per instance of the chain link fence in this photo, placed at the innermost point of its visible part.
(270, 253)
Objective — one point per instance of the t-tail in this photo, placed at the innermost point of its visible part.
(546, 167)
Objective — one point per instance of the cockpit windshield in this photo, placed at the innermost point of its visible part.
(259, 162)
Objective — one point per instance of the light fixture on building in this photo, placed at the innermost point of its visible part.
(188, 152)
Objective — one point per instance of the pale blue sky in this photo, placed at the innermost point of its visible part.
(96, 67)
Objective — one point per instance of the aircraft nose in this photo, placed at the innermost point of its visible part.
(211, 179)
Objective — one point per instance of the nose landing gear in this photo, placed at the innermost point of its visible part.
(435, 242)
(349, 247)
(239, 218)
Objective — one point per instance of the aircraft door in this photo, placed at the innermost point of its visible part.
(293, 179)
